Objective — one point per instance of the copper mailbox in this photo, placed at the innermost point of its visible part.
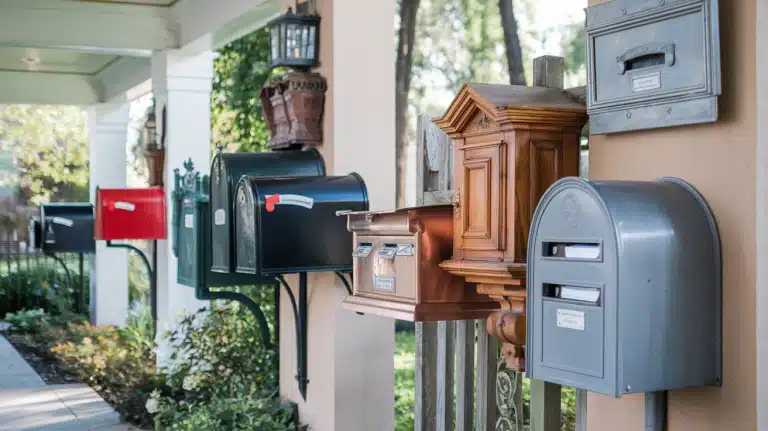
(397, 270)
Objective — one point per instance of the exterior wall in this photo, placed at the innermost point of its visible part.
(350, 357)
(719, 160)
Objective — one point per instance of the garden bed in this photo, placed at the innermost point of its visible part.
(44, 365)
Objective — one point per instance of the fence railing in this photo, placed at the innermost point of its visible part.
(32, 279)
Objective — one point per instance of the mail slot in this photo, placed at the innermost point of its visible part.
(192, 235)
(130, 214)
(624, 287)
(397, 270)
(63, 227)
(652, 64)
(289, 225)
(226, 171)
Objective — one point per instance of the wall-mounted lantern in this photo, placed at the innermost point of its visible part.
(294, 38)
(154, 150)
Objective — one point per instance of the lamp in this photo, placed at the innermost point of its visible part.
(294, 38)
(154, 151)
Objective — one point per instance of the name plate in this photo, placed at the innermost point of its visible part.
(384, 284)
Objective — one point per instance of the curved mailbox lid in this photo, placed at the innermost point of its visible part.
(658, 276)
(226, 171)
(289, 225)
(392, 222)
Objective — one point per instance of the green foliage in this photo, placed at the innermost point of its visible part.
(240, 71)
(37, 284)
(28, 320)
(405, 375)
(574, 49)
(220, 376)
(49, 146)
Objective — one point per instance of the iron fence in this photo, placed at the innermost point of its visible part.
(31, 279)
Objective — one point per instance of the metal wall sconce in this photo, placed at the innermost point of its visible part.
(154, 151)
(294, 38)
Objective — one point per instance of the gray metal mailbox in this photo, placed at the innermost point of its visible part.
(624, 287)
(652, 64)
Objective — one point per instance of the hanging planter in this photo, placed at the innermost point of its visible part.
(293, 108)
(154, 151)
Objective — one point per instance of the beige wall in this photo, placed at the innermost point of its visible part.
(351, 357)
(719, 160)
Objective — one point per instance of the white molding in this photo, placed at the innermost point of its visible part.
(47, 89)
(120, 77)
(83, 26)
(222, 20)
(761, 187)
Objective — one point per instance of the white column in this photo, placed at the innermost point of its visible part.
(182, 83)
(107, 134)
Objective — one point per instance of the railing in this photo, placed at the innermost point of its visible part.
(32, 279)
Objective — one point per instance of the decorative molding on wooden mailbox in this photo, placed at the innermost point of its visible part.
(624, 287)
(652, 64)
(397, 267)
(289, 225)
(510, 144)
(293, 109)
(130, 214)
(226, 171)
(63, 227)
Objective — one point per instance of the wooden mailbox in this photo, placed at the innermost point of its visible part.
(396, 269)
(510, 144)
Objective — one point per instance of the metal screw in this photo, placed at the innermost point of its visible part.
(623, 11)
(662, 2)
(668, 110)
(629, 389)
(629, 115)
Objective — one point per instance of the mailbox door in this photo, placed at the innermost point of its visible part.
(572, 292)
(67, 228)
(482, 196)
(131, 214)
(387, 267)
(189, 248)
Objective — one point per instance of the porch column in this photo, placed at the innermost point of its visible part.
(107, 134)
(181, 83)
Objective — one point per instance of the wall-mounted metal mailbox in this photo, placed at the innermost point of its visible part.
(652, 64)
(397, 270)
(289, 225)
(624, 287)
(226, 171)
(192, 236)
(63, 227)
(130, 214)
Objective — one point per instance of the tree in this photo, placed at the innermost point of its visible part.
(240, 71)
(512, 43)
(403, 68)
(49, 148)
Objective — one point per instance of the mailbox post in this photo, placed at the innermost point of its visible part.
(510, 144)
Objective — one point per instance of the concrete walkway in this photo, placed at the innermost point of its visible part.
(27, 403)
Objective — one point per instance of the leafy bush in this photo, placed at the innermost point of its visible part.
(28, 320)
(29, 282)
(220, 377)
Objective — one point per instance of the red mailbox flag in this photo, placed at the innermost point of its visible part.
(130, 214)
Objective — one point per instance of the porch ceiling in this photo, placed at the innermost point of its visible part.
(91, 51)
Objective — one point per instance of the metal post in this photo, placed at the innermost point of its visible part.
(153, 286)
(303, 311)
(150, 272)
(656, 411)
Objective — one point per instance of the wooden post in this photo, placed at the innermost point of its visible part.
(549, 71)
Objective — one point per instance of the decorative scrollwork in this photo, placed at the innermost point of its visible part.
(509, 398)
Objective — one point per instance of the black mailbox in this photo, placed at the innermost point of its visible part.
(289, 225)
(63, 227)
(226, 171)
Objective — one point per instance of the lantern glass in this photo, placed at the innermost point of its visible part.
(293, 40)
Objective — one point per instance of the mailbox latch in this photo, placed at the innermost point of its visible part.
(362, 250)
(388, 251)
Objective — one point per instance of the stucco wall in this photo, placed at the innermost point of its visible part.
(719, 160)
(351, 357)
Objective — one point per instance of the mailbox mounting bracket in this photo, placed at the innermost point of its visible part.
(300, 320)
(64, 266)
(150, 271)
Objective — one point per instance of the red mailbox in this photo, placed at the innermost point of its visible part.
(130, 214)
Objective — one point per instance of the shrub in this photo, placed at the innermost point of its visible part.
(28, 320)
(220, 374)
(29, 282)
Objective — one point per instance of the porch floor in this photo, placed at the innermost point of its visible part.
(27, 403)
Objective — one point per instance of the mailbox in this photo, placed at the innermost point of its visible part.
(289, 225)
(652, 64)
(510, 143)
(624, 287)
(63, 227)
(130, 214)
(192, 236)
(226, 171)
(397, 270)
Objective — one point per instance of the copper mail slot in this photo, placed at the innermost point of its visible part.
(396, 267)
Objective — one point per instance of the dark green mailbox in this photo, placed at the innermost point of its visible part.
(191, 237)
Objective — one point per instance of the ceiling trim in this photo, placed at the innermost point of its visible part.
(46, 89)
(131, 3)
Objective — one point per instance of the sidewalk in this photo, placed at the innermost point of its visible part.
(28, 404)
